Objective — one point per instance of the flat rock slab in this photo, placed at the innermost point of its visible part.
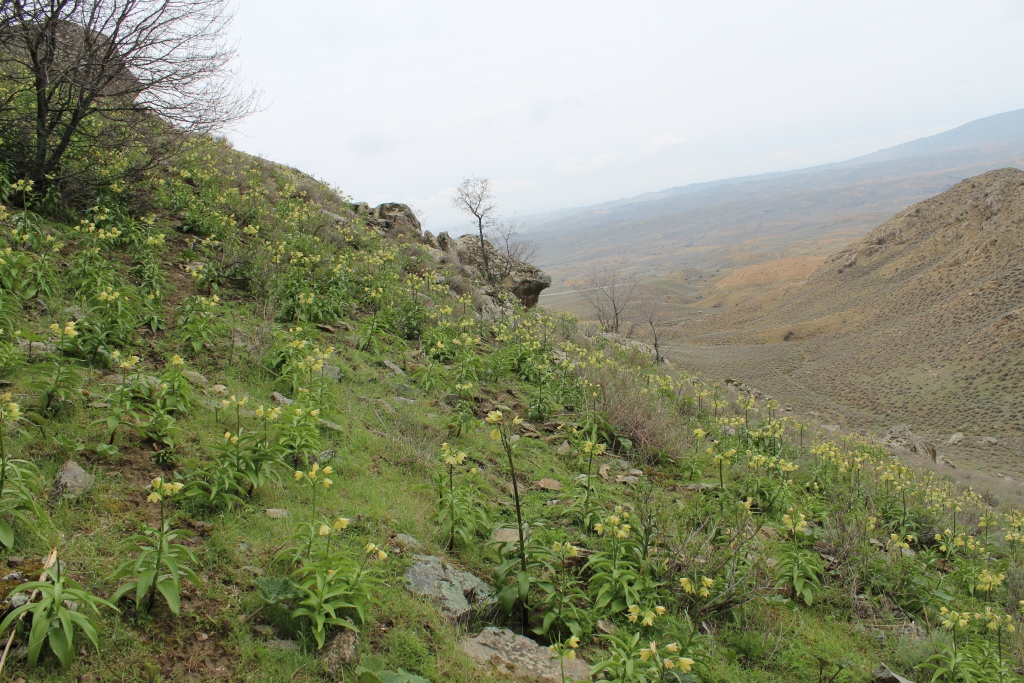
(459, 594)
(520, 657)
(549, 484)
(393, 367)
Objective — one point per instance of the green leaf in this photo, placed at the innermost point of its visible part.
(169, 589)
(6, 534)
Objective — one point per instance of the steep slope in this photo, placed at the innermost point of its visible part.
(718, 224)
(922, 317)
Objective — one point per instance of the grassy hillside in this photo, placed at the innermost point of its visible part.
(268, 395)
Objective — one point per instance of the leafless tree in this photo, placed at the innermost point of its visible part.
(650, 313)
(103, 74)
(506, 237)
(473, 197)
(609, 293)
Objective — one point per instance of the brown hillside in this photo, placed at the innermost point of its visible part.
(920, 321)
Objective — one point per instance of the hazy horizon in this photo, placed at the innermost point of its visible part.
(573, 104)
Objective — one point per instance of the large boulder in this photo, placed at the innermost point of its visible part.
(396, 220)
(520, 657)
(525, 281)
(459, 594)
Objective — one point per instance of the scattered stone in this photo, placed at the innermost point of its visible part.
(219, 389)
(37, 346)
(956, 439)
(459, 594)
(281, 399)
(388, 408)
(283, 644)
(549, 484)
(72, 481)
(264, 630)
(520, 657)
(327, 424)
(580, 479)
(907, 552)
(340, 651)
(603, 470)
(564, 449)
(200, 636)
(604, 626)
(630, 480)
(276, 513)
(404, 390)
(324, 457)
(989, 441)
(405, 543)
(883, 675)
(326, 328)
(332, 372)
(505, 535)
(403, 399)
(15, 561)
(699, 487)
(394, 368)
(99, 404)
(900, 437)
(194, 377)
(19, 599)
(636, 473)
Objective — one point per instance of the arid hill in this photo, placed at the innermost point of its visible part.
(920, 321)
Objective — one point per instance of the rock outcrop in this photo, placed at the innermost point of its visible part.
(525, 281)
(459, 594)
(900, 437)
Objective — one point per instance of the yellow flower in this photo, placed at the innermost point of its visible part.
(573, 642)
(672, 647)
(659, 610)
(496, 434)
(685, 664)
(687, 585)
(299, 475)
(493, 417)
(154, 497)
(341, 523)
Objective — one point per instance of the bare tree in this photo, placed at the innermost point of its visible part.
(506, 237)
(609, 293)
(651, 314)
(82, 75)
(473, 196)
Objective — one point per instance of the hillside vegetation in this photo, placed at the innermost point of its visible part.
(279, 406)
(921, 319)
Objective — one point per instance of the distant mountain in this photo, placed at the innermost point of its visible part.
(922, 318)
(703, 224)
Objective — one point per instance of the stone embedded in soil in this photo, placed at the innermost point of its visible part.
(564, 449)
(883, 675)
(459, 594)
(194, 377)
(276, 513)
(72, 481)
(340, 651)
(332, 372)
(281, 399)
(407, 544)
(505, 535)
(283, 644)
(393, 367)
(219, 389)
(520, 657)
(956, 439)
(549, 484)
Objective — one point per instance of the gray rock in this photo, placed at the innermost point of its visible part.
(989, 441)
(564, 449)
(393, 367)
(519, 657)
(283, 644)
(883, 675)
(219, 389)
(459, 594)
(194, 377)
(340, 651)
(407, 544)
(281, 399)
(264, 630)
(72, 481)
(327, 424)
(19, 599)
(276, 513)
(505, 534)
(324, 457)
(956, 439)
(332, 372)
(403, 399)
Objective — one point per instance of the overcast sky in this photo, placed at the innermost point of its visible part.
(572, 103)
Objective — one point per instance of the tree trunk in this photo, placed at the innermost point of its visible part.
(483, 250)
